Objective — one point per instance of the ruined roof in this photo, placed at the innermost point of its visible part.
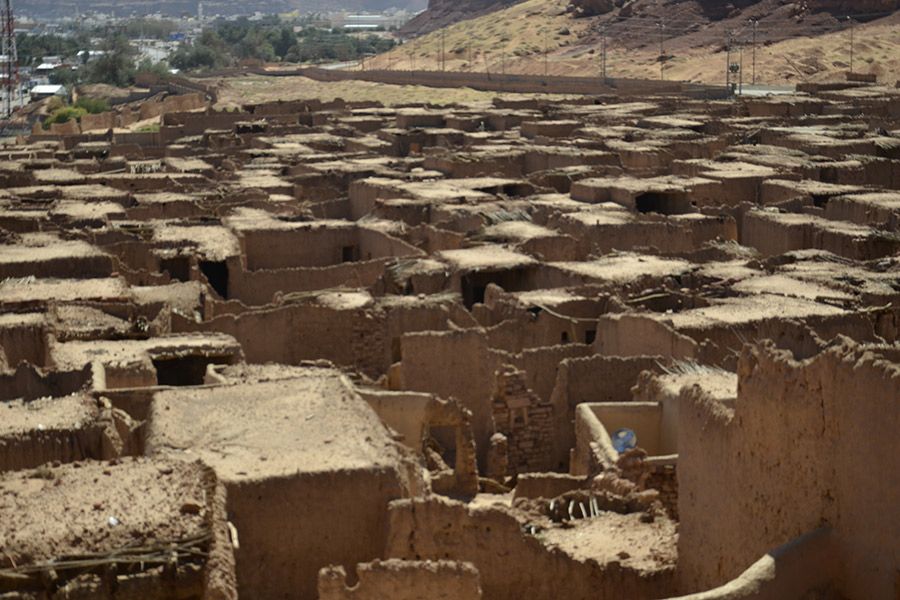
(485, 258)
(99, 507)
(312, 422)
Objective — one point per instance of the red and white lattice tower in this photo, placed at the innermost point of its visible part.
(9, 61)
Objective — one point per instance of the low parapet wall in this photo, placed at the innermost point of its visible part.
(182, 86)
(507, 82)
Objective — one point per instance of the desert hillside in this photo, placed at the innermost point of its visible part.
(776, 42)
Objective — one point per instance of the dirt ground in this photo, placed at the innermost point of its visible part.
(615, 537)
(238, 91)
(78, 508)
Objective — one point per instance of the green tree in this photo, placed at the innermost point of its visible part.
(255, 45)
(151, 28)
(115, 66)
(160, 69)
(282, 40)
(210, 51)
(64, 76)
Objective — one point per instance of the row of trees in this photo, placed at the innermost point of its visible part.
(114, 66)
(230, 41)
(236, 40)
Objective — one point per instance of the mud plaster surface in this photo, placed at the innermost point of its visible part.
(310, 423)
(68, 509)
(46, 414)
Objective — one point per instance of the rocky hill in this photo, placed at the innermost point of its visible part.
(770, 42)
(442, 13)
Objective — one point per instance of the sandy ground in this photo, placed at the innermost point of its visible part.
(610, 537)
(255, 89)
(615, 537)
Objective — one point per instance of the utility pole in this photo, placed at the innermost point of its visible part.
(545, 53)
(741, 71)
(755, 25)
(662, 52)
(603, 51)
(727, 63)
(851, 43)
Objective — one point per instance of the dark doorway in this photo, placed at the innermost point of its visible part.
(179, 267)
(472, 291)
(664, 203)
(185, 370)
(473, 285)
(216, 273)
(650, 202)
(350, 254)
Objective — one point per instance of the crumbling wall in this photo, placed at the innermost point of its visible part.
(100, 433)
(526, 421)
(802, 448)
(438, 528)
(452, 363)
(28, 382)
(259, 286)
(412, 415)
(403, 580)
(636, 335)
(591, 379)
(336, 518)
(542, 364)
(295, 332)
(663, 477)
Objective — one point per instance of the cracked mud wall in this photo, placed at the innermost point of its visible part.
(808, 444)
(512, 564)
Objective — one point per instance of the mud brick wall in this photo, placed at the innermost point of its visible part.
(664, 479)
(512, 82)
(796, 451)
(525, 420)
(442, 529)
(402, 580)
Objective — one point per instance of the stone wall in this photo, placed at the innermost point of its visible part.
(808, 444)
(664, 479)
(525, 420)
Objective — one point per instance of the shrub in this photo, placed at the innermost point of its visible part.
(92, 104)
(64, 115)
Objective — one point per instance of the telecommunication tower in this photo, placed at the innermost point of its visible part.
(9, 69)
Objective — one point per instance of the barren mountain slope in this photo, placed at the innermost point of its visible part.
(683, 40)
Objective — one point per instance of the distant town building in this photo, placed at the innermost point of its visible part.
(358, 21)
(39, 92)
